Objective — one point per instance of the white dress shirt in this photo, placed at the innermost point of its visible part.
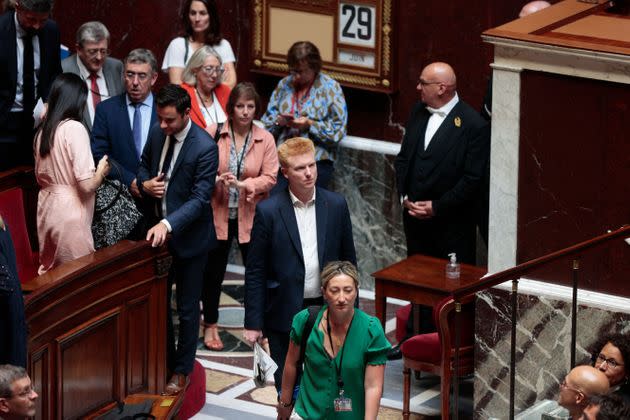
(437, 118)
(214, 113)
(100, 82)
(179, 142)
(18, 106)
(306, 219)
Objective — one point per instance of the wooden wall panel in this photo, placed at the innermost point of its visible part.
(138, 330)
(40, 378)
(98, 325)
(574, 168)
(91, 383)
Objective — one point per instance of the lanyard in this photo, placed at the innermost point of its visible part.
(216, 115)
(239, 161)
(343, 347)
(298, 103)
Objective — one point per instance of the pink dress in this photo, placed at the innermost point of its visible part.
(64, 215)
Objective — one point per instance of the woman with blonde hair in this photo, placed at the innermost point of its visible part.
(346, 349)
(202, 79)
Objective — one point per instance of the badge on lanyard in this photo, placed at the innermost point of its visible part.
(343, 403)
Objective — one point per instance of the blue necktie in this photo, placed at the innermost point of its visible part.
(137, 128)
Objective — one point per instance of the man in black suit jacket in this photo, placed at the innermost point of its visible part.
(439, 168)
(296, 232)
(18, 94)
(438, 174)
(102, 74)
(176, 175)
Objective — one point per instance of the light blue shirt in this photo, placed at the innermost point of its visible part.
(145, 112)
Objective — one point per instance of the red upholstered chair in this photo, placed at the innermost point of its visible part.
(435, 352)
(12, 211)
(195, 396)
(402, 315)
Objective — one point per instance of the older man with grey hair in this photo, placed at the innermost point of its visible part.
(102, 74)
(121, 123)
(17, 396)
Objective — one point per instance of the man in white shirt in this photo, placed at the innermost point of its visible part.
(102, 74)
(439, 168)
(438, 173)
(176, 177)
(296, 232)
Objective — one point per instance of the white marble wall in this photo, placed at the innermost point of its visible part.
(364, 174)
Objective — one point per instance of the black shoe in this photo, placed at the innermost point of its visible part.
(394, 353)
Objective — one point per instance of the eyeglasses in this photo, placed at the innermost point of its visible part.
(601, 359)
(425, 83)
(563, 385)
(93, 52)
(26, 393)
(130, 75)
(210, 70)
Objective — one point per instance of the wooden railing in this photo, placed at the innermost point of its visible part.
(96, 325)
(574, 253)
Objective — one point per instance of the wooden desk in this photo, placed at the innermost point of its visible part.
(421, 280)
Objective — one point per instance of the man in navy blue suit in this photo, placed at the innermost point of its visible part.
(29, 62)
(295, 233)
(121, 124)
(176, 176)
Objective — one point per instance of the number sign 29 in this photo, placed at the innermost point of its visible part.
(357, 24)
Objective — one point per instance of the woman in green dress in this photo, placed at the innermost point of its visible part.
(344, 359)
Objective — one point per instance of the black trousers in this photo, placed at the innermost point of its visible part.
(12, 320)
(187, 275)
(279, 345)
(16, 141)
(215, 272)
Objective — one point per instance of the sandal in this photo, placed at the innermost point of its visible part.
(211, 337)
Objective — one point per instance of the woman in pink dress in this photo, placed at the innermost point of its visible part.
(65, 172)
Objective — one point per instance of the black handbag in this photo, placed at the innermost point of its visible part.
(115, 212)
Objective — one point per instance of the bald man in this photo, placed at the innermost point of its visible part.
(582, 383)
(533, 7)
(438, 170)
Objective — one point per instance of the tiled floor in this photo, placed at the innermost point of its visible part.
(231, 392)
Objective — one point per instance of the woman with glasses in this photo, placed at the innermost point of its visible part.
(202, 79)
(64, 168)
(308, 103)
(202, 27)
(248, 164)
(609, 356)
(344, 357)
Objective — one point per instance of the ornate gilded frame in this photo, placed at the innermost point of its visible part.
(379, 77)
